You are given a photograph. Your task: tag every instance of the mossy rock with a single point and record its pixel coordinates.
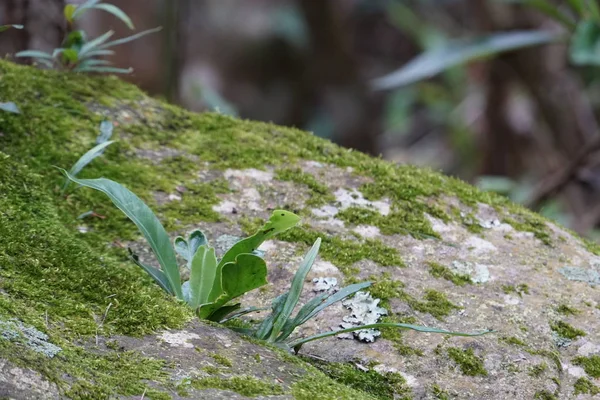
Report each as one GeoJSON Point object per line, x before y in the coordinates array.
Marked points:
{"type": "Point", "coordinates": [81, 321]}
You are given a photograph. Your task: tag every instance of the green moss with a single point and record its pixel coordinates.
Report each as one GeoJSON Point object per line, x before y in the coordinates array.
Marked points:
{"type": "Point", "coordinates": [380, 386]}
{"type": "Point", "coordinates": [567, 310]}
{"type": "Point", "coordinates": [211, 370]}
{"type": "Point", "coordinates": [468, 362]}
{"type": "Point", "coordinates": [532, 223]}
{"type": "Point", "coordinates": [395, 335]}
{"type": "Point", "coordinates": [436, 304]}
{"type": "Point", "coordinates": [224, 361]}
{"type": "Point", "coordinates": [245, 385]}
{"type": "Point", "coordinates": [439, 393]}
{"type": "Point", "coordinates": [320, 193]}
{"type": "Point", "coordinates": [513, 340]}
{"type": "Point", "coordinates": [565, 330]}
{"type": "Point", "coordinates": [520, 289]}
{"type": "Point", "coordinates": [590, 364]}
{"type": "Point", "coordinates": [585, 386]}
{"type": "Point", "coordinates": [537, 370]}
{"type": "Point", "coordinates": [544, 395]}
{"type": "Point", "coordinates": [441, 271]}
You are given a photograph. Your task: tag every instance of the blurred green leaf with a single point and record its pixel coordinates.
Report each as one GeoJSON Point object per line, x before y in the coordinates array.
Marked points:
{"type": "Point", "coordinates": [116, 11]}
{"type": "Point", "coordinates": [7, 27]}
{"type": "Point", "coordinates": [68, 12]}
{"type": "Point", "coordinates": [585, 44]}
{"type": "Point", "coordinates": [70, 55]}
{"type": "Point", "coordinates": [10, 107]}
{"type": "Point", "coordinates": [459, 52]}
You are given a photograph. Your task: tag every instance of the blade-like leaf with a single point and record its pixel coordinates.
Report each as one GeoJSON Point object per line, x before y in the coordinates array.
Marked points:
{"type": "Point", "coordinates": [35, 54]}
{"type": "Point", "coordinates": [312, 308]}
{"type": "Point", "coordinates": [239, 313]}
{"type": "Point", "coordinates": [434, 61]}
{"type": "Point", "coordinates": [279, 222]}
{"type": "Point", "coordinates": [202, 276]}
{"type": "Point", "coordinates": [6, 27]}
{"type": "Point", "coordinates": [85, 160]}
{"type": "Point", "coordinates": [96, 53]}
{"type": "Point", "coordinates": [105, 70]}
{"type": "Point", "coordinates": [95, 44]}
{"type": "Point", "coordinates": [224, 311]}
{"type": "Point", "coordinates": [145, 220]}
{"type": "Point", "coordinates": [248, 272]}
{"type": "Point", "coordinates": [106, 131]}
{"type": "Point", "coordinates": [83, 8]}
{"type": "Point", "coordinates": [264, 329]}
{"type": "Point", "coordinates": [129, 38]}
{"type": "Point", "coordinates": [295, 290]}
{"type": "Point", "coordinates": [158, 275]}
{"type": "Point", "coordinates": [116, 11]}
{"type": "Point", "coordinates": [10, 107]}
{"type": "Point", "coordinates": [296, 344]}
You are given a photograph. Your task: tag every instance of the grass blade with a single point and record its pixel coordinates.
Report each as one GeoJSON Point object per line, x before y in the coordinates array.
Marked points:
{"type": "Point", "coordinates": [143, 217]}
{"type": "Point", "coordinates": [106, 130]}
{"type": "Point", "coordinates": [94, 44]}
{"type": "Point", "coordinates": [105, 70]}
{"type": "Point", "coordinates": [6, 27]}
{"type": "Point", "coordinates": [35, 54]}
{"type": "Point", "coordinates": [202, 276]}
{"type": "Point", "coordinates": [116, 11]}
{"type": "Point", "coordinates": [296, 344]}
{"type": "Point", "coordinates": [129, 38]}
{"type": "Point", "coordinates": [264, 329]}
{"type": "Point", "coordinates": [158, 275]}
{"type": "Point", "coordinates": [295, 291]}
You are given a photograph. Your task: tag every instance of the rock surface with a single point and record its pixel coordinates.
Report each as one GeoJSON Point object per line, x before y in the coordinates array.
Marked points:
{"type": "Point", "coordinates": [440, 253]}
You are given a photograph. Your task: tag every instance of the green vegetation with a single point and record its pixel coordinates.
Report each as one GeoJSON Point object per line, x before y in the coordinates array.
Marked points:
{"type": "Point", "coordinates": [537, 370]}
{"type": "Point", "coordinates": [320, 193]}
{"type": "Point", "coordinates": [441, 271]}
{"type": "Point", "coordinates": [567, 310]}
{"type": "Point", "coordinates": [222, 360]}
{"type": "Point", "coordinates": [591, 365]}
{"type": "Point", "coordinates": [519, 289]}
{"type": "Point", "coordinates": [244, 385]}
{"type": "Point", "coordinates": [585, 386]}
{"type": "Point", "coordinates": [514, 341]}
{"type": "Point", "coordinates": [565, 330]}
{"type": "Point", "coordinates": [468, 362]}
{"type": "Point", "coordinates": [544, 395]}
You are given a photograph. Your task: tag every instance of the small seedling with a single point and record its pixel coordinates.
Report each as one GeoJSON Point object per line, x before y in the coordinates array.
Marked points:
{"type": "Point", "coordinates": [80, 54]}
{"type": "Point", "coordinates": [212, 284]}
{"type": "Point", "coordinates": [279, 325]}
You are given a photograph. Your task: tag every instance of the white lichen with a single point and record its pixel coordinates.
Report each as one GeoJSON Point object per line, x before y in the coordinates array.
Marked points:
{"type": "Point", "coordinates": [365, 310]}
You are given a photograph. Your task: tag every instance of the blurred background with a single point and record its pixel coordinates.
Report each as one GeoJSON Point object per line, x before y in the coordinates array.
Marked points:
{"type": "Point", "coordinates": [503, 94]}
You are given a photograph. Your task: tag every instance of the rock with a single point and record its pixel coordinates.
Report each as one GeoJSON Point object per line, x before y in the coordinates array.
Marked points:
{"type": "Point", "coordinates": [421, 237]}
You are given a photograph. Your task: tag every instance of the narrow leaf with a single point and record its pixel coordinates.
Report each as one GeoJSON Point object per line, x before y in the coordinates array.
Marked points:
{"type": "Point", "coordinates": [129, 38]}
{"type": "Point", "coordinates": [434, 61]}
{"type": "Point", "coordinates": [105, 70]}
{"type": "Point", "coordinates": [35, 54]}
{"type": "Point", "coordinates": [296, 344]}
{"type": "Point", "coordinates": [95, 43]}
{"type": "Point", "coordinates": [106, 130]}
{"type": "Point", "coordinates": [239, 313]}
{"type": "Point", "coordinates": [224, 311]}
{"type": "Point", "coordinates": [10, 107]}
{"type": "Point", "coordinates": [116, 11]}
{"type": "Point", "coordinates": [202, 276]}
{"type": "Point", "coordinates": [83, 8]}
{"type": "Point", "coordinates": [145, 220]}
{"type": "Point", "coordinates": [85, 160]}
{"type": "Point", "coordinates": [295, 290]}
{"type": "Point", "coordinates": [264, 329]}
{"type": "Point", "coordinates": [158, 275]}
{"type": "Point", "coordinates": [7, 27]}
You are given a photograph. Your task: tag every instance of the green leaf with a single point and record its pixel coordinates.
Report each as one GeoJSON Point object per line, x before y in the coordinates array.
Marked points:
{"type": "Point", "coordinates": [94, 44]}
{"type": "Point", "coordinates": [83, 8]}
{"type": "Point", "coordinates": [116, 11]}
{"type": "Point", "coordinates": [459, 52]}
{"type": "Point", "coordinates": [296, 344]}
{"type": "Point", "coordinates": [238, 314]}
{"type": "Point", "coordinates": [318, 304]}
{"type": "Point", "coordinates": [106, 131]}
{"type": "Point", "coordinates": [70, 55]}
{"type": "Point", "coordinates": [145, 220]}
{"type": "Point", "coordinates": [35, 54]}
{"type": "Point", "coordinates": [279, 222]}
{"type": "Point", "coordinates": [68, 12]}
{"type": "Point", "coordinates": [7, 27]}
{"type": "Point", "coordinates": [247, 273]}
{"type": "Point", "coordinates": [202, 276]}
{"type": "Point", "coordinates": [129, 38]}
{"type": "Point", "coordinates": [10, 107]}
{"type": "Point", "coordinates": [585, 44]}
{"type": "Point", "coordinates": [295, 290]}
{"type": "Point", "coordinates": [187, 248]}
{"type": "Point", "coordinates": [84, 160]}
{"type": "Point", "coordinates": [265, 328]}
{"type": "Point", "coordinates": [105, 70]}
{"type": "Point", "coordinates": [158, 276]}
{"type": "Point", "coordinates": [75, 40]}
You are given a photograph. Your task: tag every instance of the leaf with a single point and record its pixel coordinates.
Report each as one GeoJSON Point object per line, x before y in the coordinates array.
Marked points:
{"type": "Point", "coordinates": [94, 44]}
{"type": "Point", "coordinates": [279, 222]}
{"type": "Point", "coordinates": [295, 290]}
{"type": "Point", "coordinates": [145, 220]}
{"type": "Point", "coordinates": [202, 276]}
{"type": "Point", "coordinates": [35, 54]}
{"type": "Point", "coordinates": [68, 12]}
{"type": "Point", "coordinates": [237, 314]}
{"type": "Point", "coordinates": [116, 11]}
{"type": "Point", "coordinates": [585, 44]}
{"type": "Point", "coordinates": [7, 27]}
{"type": "Point", "coordinates": [187, 248]}
{"type": "Point", "coordinates": [83, 8]}
{"type": "Point", "coordinates": [106, 130]}
{"type": "Point", "coordinates": [158, 275]}
{"type": "Point", "coordinates": [129, 38]}
{"type": "Point", "coordinates": [318, 304]}
{"type": "Point", "coordinates": [264, 329]}
{"type": "Point", "coordinates": [10, 107]}
{"type": "Point", "coordinates": [105, 70]}
{"type": "Point", "coordinates": [247, 273]}
{"type": "Point", "coordinates": [434, 61]}
{"type": "Point", "coordinates": [221, 314]}
{"type": "Point", "coordinates": [85, 160]}
{"type": "Point", "coordinates": [70, 55]}
{"type": "Point", "coordinates": [296, 344]}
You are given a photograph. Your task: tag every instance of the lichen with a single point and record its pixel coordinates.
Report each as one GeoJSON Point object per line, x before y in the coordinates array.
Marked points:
{"type": "Point", "coordinates": [564, 330]}
{"type": "Point", "coordinates": [468, 362]}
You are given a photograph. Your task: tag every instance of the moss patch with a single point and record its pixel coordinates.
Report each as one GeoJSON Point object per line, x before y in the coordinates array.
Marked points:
{"type": "Point", "coordinates": [567, 310]}
{"type": "Point", "coordinates": [591, 365]}
{"type": "Point", "coordinates": [245, 385]}
{"type": "Point", "coordinates": [520, 289]}
{"type": "Point", "coordinates": [441, 271]}
{"type": "Point", "coordinates": [320, 193]}
{"type": "Point", "coordinates": [222, 360]}
{"type": "Point", "coordinates": [544, 395]}
{"type": "Point", "coordinates": [585, 386]}
{"type": "Point", "coordinates": [468, 362]}
{"type": "Point", "coordinates": [565, 330]}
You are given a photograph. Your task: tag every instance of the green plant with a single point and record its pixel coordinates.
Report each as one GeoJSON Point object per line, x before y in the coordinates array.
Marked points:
{"type": "Point", "coordinates": [80, 54]}
{"type": "Point", "coordinates": [279, 325]}
{"type": "Point", "coordinates": [106, 128]}
{"type": "Point", "coordinates": [10, 106]}
{"type": "Point", "coordinates": [212, 284]}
